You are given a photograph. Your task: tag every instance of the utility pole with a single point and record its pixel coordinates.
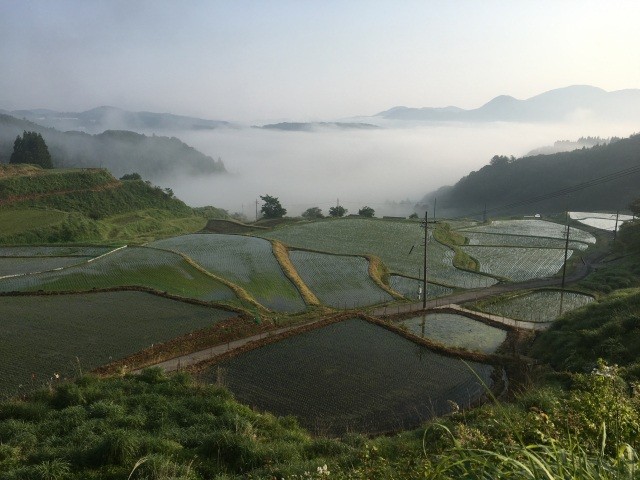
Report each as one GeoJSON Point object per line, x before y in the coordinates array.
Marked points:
{"type": "Point", "coordinates": [256, 209]}
{"type": "Point", "coordinates": [424, 273]}
{"type": "Point", "coordinates": [424, 264]}
{"type": "Point", "coordinates": [615, 229]}
{"type": "Point", "coordinates": [435, 202]}
{"type": "Point", "coordinates": [564, 267]}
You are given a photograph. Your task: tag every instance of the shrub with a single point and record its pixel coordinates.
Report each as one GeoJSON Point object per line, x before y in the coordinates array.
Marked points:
{"type": "Point", "coordinates": [118, 447]}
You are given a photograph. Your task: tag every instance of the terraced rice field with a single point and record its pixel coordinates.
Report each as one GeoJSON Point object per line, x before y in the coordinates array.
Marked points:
{"type": "Point", "coordinates": [517, 263]}
{"type": "Point", "coordinates": [495, 239]}
{"type": "Point", "coordinates": [132, 266]}
{"type": "Point", "coordinates": [459, 224]}
{"type": "Point", "coordinates": [338, 281]}
{"type": "Point", "coordinates": [49, 334]}
{"type": "Point", "coordinates": [245, 261]}
{"type": "Point", "coordinates": [603, 221]}
{"type": "Point", "coordinates": [540, 306]}
{"type": "Point", "coordinates": [532, 228]}
{"type": "Point", "coordinates": [408, 287]}
{"type": "Point", "coordinates": [457, 331]}
{"type": "Point", "coordinates": [21, 265]}
{"type": "Point", "coordinates": [351, 376]}
{"type": "Point", "coordinates": [392, 241]}
{"type": "Point", "coordinates": [21, 260]}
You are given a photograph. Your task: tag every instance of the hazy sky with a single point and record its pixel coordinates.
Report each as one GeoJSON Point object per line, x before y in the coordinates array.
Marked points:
{"type": "Point", "coordinates": [307, 60]}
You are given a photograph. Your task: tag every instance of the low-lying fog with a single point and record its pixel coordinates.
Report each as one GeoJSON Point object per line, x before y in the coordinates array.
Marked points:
{"type": "Point", "coordinates": [378, 168]}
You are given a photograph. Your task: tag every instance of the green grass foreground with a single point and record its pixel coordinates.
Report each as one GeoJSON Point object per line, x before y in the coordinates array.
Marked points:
{"type": "Point", "coordinates": [156, 427]}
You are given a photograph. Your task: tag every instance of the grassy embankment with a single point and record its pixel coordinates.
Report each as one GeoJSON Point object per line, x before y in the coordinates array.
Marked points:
{"type": "Point", "coordinates": [86, 205]}
{"type": "Point", "coordinates": [443, 234]}
{"type": "Point", "coordinates": [281, 253]}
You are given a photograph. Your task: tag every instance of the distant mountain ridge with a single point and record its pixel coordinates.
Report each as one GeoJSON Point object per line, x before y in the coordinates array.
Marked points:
{"type": "Point", "coordinates": [311, 126]}
{"type": "Point", "coordinates": [558, 105]}
{"type": "Point", "coordinates": [506, 186]}
{"type": "Point", "coordinates": [561, 104]}
{"type": "Point", "coordinates": [104, 118]}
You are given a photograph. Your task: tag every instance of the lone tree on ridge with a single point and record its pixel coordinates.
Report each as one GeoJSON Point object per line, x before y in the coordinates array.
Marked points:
{"type": "Point", "coordinates": [271, 208]}
{"type": "Point", "coordinates": [338, 211]}
{"type": "Point", "coordinates": [366, 212]}
{"type": "Point", "coordinates": [31, 148]}
{"type": "Point", "coordinates": [312, 213]}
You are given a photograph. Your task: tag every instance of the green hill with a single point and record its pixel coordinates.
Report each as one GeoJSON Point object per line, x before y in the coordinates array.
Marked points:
{"type": "Point", "coordinates": [515, 181]}
{"type": "Point", "coordinates": [120, 151]}
{"type": "Point", "coordinates": [65, 205]}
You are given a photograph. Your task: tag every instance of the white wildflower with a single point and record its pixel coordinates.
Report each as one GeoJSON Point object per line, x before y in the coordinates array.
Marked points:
{"type": "Point", "coordinates": [323, 470]}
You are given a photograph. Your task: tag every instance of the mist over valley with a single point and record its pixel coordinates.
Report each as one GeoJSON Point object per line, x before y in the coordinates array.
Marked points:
{"type": "Point", "coordinates": [379, 168]}
{"type": "Point", "coordinates": [388, 161]}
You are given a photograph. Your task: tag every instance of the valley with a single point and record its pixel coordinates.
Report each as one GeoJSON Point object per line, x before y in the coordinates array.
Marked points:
{"type": "Point", "coordinates": [320, 322]}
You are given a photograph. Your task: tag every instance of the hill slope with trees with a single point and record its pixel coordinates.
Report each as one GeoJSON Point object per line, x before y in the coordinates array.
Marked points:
{"type": "Point", "coordinates": [513, 182]}
{"type": "Point", "coordinates": [122, 152]}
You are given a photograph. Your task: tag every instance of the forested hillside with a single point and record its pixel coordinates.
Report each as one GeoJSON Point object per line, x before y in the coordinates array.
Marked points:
{"type": "Point", "coordinates": [119, 151]}
{"type": "Point", "coordinates": [511, 183]}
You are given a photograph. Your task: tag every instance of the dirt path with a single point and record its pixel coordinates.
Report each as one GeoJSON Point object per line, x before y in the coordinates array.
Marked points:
{"type": "Point", "coordinates": [183, 361]}
{"type": "Point", "coordinates": [523, 324]}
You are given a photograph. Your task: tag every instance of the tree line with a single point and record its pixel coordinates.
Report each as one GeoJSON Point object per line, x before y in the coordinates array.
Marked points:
{"type": "Point", "coordinates": [272, 208]}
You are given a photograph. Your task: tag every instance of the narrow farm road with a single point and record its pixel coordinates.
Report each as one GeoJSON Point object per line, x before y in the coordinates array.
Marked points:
{"type": "Point", "coordinates": [523, 324]}
{"type": "Point", "coordinates": [184, 361]}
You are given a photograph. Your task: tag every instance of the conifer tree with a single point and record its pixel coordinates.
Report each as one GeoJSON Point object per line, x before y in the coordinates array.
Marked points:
{"type": "Point", "coordinates": [31, 148]}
